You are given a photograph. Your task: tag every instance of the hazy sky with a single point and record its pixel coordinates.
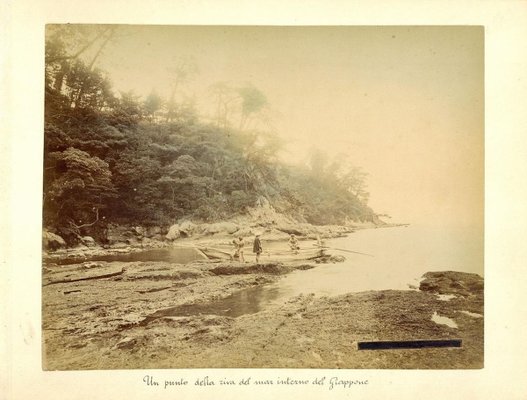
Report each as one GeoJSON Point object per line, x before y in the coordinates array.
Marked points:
{"type": "Point", "coordinates": [404, 103]}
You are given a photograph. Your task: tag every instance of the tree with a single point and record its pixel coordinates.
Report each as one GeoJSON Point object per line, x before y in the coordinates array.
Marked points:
{"type": "Point", "coordinates": [152, 104]}
{"type": "Point", "coordinates": [318, 162]}
{"type": "Point", "coordinates": [181, 72]}
{"type": "Point", "coordinates": [252, 101]}
{"type": "Point", "coordinates": [226, 100]}
{"type": "Point", "coordinates": [354, 181]}
{"type": "Point", "coordinates": [77, 187]}
{"type": "Point", "coordinates": [65, 44]}
{"type": "Point", "coordinates": [107, 158]}
{"type": "Point", "coordinates": [128, 110]}
{"type": "Point", "coordinates": [88, 88]}
{"type": "Point", "coordinates": [78, 39]}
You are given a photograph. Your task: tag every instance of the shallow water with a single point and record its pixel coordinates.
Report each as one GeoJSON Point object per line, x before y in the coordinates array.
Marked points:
{"type": "Point", "coordinates": [441, 320]}
{"type": "Point", "coordinates": [400, 257]}
{"type": "Point", "coordinates": [247, 301]}
{"type": "Point", "coordinates": [180, 255]}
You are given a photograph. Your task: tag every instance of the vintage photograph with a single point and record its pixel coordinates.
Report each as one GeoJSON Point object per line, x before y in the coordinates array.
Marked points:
{"type": "Point", "coordinates": [263, 197]}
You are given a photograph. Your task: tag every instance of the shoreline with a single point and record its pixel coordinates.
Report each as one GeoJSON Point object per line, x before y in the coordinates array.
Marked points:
{"type": "Point", "coordinates": [82, 253]}
{"type": "Point", "coordinates": [107, 323]}
{"type": "Point", "coordinates": [156, 314]}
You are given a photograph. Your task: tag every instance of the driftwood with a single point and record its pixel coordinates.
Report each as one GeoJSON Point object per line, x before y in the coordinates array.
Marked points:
{"type": "Point", "coordinates": [71, 291]}
{"type": "Point", "coordinates": [88, 278]}
{"type": "Point", "coordinates": [154, 290]}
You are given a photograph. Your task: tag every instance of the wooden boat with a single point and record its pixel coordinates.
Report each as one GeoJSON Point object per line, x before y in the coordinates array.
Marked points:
{"type": "Point", "coordinates": [276, 255]}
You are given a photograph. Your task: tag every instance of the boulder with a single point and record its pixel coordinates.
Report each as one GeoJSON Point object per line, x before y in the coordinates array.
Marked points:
{"type": "Point", "coordinates": [158, 237]}
{"type": "Point", "coordinates": [244, 232]}
{"type": "Point", "coordinates": [118, 233]}
{"type": "Point", "coordinates": [127, 343]}
{"type": "Point", "coordinates": [173, 232]}
{"type": "Point", "coordinates": [88, 241]}
{"type": "Point", "coordinates": [186, 228]}
{"type": "Point", "coordinates": [452, 282]}
{"type": "Point", "coordinates": [221, 227]}
{"type": "Point", "coordinates": [290, 229]}
{"type": "Point", "coordinates": [152, 231]}
{"type": "Point", "coordinates": [52, 241]}
{"type": "Point", "coordinates": [229, 227]}
{"type": "Point", "coordinates": [139, 230]}
{"type": "Point", "coordinates": [145, 241]}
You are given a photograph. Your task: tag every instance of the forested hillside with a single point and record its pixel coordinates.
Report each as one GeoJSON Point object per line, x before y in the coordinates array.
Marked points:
{"type": "Point", "coordinates": [118, 158]}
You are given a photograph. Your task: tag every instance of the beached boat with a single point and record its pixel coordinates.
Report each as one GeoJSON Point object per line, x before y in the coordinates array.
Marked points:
{"type": "Point", "coordinates": [276, 255]}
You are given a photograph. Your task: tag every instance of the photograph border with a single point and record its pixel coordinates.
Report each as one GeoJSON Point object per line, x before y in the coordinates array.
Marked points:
{"type": "Point", "coordinates": [505, 78]}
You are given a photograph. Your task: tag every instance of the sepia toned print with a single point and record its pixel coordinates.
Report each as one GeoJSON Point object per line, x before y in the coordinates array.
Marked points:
{"type": "Point", "coordinates": [263, 197]}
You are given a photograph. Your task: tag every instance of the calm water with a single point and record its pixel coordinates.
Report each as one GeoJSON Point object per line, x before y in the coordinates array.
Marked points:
{"type": "Point", "coordinates": [247, 301]}
{"type": "Point", "coordinates": [180, 255]}
{"type": "Point", "coordinates": [400, 257]}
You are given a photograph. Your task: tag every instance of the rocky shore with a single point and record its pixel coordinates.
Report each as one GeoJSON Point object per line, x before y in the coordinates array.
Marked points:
{"type": "Point", "coordinates": [264, 220]}
{"type": "Point", "coordinates": [203, 314]}
{"type": "Point", "coordinates": [114, 315]}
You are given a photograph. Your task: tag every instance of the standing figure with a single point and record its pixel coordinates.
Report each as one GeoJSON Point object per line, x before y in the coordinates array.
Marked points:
{"type": "Point", "coordinates": [235, 244]}
{"type": "Point", "coordinates": [257, 247]}
{"type": "Point", "coordinates": [293, 243]}
{"type": "Point", "coordinates": [239, 248]}
{"type": "Point", "coordinates": [320, 244]}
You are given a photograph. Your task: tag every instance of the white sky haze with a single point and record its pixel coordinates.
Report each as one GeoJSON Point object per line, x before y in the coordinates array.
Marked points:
{"type": "Point", "coordinates": [403, 103]}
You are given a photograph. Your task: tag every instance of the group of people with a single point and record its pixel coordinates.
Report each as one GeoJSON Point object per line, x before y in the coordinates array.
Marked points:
{"type": "Point", "coordinates": [239, 245]}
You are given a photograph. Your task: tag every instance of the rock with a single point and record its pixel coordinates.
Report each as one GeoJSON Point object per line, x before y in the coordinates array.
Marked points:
{"type": "Point", "coordinates": [290, 229]}
{"type": "Point", "coordinates": [452, 282]}
{"type": "Point", "coordinates": [52, 241]}
{"type": "Point", "coordinates": [220, 227]}
{"type": "Point", "coordinates": [91, 264]}
{"type": "Point", "coordinates": [134, 241]}
{"type": "Point", "coordinates": [210, 229]}
{"type": "Point", "coordinates": [268, 268]}
{"type": "Point", "coordinates": [152, 231]}
{"type": "Point", "coordinates": [139, 230]}
{"type": "Point", "coordinates": [229, 227]}
{"type": "Point", "coordinates": [88, 241]}
{"type": "Point", "coordinates": [244, 232]}
{"type": "Point", "coordinates": [186, 228]}
{"type": "Point", "coordinates": [173, 232]}
{"type": "Point", "coordinates": [263, 202]}
{"type": "Point", "coordinates": [122, 249]}
{"type": "Point", "coordinates": [126, 343]}
{"type": "Point", "coordinates": [118, 233]}
{"type": "Point", "coordinates": [337, 258]}
{"type": "Point", "coordinates": [147, 242]}
{"type": "Point", "coordinates": [159, 241]}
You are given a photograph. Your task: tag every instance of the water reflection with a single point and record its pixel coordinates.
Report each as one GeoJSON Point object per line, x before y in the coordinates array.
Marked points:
{"type": "Point", "coordinates": [179, 255]}
{"type": "Point", "coordinates": [247, 301]}
{"type": "Point", "coordinates": [401, 257]}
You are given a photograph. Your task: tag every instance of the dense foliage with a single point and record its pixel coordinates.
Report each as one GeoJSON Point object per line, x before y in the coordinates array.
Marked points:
{"type": "Point", "coordinates": [122, 159]}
